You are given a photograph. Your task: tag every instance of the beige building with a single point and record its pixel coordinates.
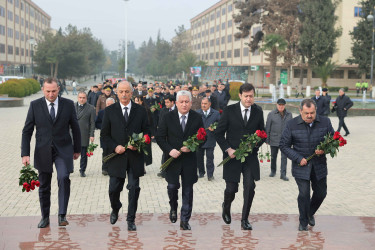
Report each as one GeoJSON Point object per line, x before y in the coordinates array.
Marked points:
{"type": "Point", "coordinates": [21, 25]}
{"type": "Point", "coordinates": [213, 41]}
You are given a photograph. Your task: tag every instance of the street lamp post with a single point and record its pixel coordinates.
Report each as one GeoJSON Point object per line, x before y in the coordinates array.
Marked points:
{"type": "Point", "coordinates": [371, 18]}
{"type": "Point", "coordinates": [32, 43]}
{"type": "Point", "coordinates": [126, 38]}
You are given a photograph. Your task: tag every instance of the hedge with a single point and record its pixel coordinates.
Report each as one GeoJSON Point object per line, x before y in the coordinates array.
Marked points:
{"type": "Point", "coordinates": [234, 90]}
{"type": "Point", "coordinates": [19, 87]}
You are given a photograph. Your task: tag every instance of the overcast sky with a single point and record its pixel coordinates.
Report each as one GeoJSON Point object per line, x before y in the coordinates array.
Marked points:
{"type": "Point", "coordinates": [106, 19]}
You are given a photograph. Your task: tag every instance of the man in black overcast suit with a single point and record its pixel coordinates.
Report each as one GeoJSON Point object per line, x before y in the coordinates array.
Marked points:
{"type": "Point", "coordinates": [242, 118]}
{"type": "Point", "coordinates": [53, 117]}
{"type": "Point", "coordinates": [175, 128]}
{"type": "Point", "coordinates": [120, 121]}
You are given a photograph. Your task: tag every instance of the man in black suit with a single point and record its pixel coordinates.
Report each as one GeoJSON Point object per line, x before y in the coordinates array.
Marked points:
{"type": "Point", "coordinates": [120, 121]}
{"type": "Point", "coordinates": [169, 101]}
{"type": "Point", "coordinates": [213, 100]}
{"type": "Point", "coordinates": [242, 118]}
{"type": "Point", "coordinates": [53, 117]}
{"type": "Point", "coordinates": [175, 128]}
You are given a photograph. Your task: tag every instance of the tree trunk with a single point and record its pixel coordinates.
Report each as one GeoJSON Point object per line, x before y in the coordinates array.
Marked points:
{"type": "Point", "coordinates": [51, 68]}
{"type": "Point", "coordinates": [56, 68]}
{"type": "Point", "coordinates": [299, 89]}
{"type": "Point", "coordinates": [273, 57]}
{"type": "Point", "coordinates": [309, 76]}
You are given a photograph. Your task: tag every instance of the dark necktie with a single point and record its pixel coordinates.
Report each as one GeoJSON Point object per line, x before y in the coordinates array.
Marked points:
{"type": "Point", "coordinates": [52, 111]}
{"type": "Point", "coordinates": [126, 117]}
{"type": "Point", "coordinates": [170, 110]}
{"type": "Point", "coordinates": [183, 123]}
{"type": "Point", "coordinates": [80, 108]}
{"type": "Point", "coordinates": [245, 117]}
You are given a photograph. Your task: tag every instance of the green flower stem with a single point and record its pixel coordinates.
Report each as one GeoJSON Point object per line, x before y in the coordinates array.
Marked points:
{"type": "Point", "coordinates": [167, 162]}
{"type": "Point", "coordinates": [108, 157]}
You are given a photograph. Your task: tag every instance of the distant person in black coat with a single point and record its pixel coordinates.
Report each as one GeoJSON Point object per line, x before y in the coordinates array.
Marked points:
{"type": "Point", "coordinates": [120, 121]}
{"type": "Point", "coordinates": [320, 102]}
{"type": "Point", "coordinates": [341, 106]}
{"type": "Point", "coordinates": [98, 125]}
{"type": "Point", "coordinates": [327, 99]}
{"type": "Point", "coordinates": [213, 100]}
{"type": "Point", "coordinates": [237, 120]}
{"type": "Point", "coordinates": [55, 121]}
{"type": "Point", "coordinates": [175, 128]}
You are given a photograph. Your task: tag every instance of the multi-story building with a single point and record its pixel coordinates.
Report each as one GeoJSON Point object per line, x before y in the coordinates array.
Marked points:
{"type": "Point", "coordinates": [213, 41]}
{"type": "Point", "coordinates": [21, 25]}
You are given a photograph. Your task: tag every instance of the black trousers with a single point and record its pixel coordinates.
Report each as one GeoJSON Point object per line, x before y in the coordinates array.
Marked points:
{"type": "Point", "coordinates": [248, 190]}
{"type": "Point", "coordinates": [63, 182]}
{"type": "Point", "coordinates": [306, 206]}
{"type": "Point", "coordinates": [187, 199]}
{"type": "Point", "coordinates": [209, 161]}
{"type": "Point", "coordinates": [274, 153]}
{"type": "Point", "coordinates": [342, 124]}
{"type": "Point", "coordinates": [116, 185]}
{"type": "Point", "coordinates": [83, 161]}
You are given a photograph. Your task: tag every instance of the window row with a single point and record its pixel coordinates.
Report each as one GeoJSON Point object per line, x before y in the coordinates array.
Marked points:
{"type": "Point", "coordinates": [213, 15]}
{"type": "Point", "coordinates": [17, 35]}
{"type": "Point", "coordinates": [11, 50]}
{"type": "Point", "coordinates": [37, 15]}
{"type": "Point", "coordinates": [228, 54]}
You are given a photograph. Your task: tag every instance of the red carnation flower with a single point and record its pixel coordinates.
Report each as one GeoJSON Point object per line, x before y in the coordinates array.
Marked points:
{"type": "Point", "coordinates": [268, 160]}
{"type": "Point", "coordinates": [264, 135]}
{"type": "Point", "coordinates": [32, 187]}
{"type": "Point", "coordinates": [37, 183]}
{"type": "Point", "coordinates": [220, 111]}
{"type": "Point", "coordinates": [88, 154]}
{"type": "Point", "coordinates": [201, 135]}
{"type": "Point", "coordinates": [160, 105]}
{"type": "Point", "coordinates": [91, 153]}
{"type": "Point", "coordinates": [147, 139]}
{"type": "Point", "coordinates": [336, 136]}
{"type": "Point", "coordinates": [28, 189]}
{"type": "Point", "coordinates": [261, 161]}
{"type": "Point", "coordinates": [25, 185]}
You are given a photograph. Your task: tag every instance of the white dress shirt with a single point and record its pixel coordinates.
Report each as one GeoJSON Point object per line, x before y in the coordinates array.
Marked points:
{"type": "Point", "coordinates": [129, 106]}
{"type": "Point", "coordinates": [186, 117]}
{"type": "Point", "coordinates": [56, 105]}
{"type": "Point", "coordinates": [243, 112]}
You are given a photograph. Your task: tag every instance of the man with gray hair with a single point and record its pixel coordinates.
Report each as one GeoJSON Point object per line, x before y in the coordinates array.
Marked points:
{"type": "Point", "coordinates": [299, 140]}
{"type": "Point", "coordinates": [175, 128]}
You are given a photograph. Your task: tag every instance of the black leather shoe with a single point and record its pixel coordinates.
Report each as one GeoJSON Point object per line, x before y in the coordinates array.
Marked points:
{"type": "Point", "coordinates": [284, 178]}
{"type": "Point", "coordinates": [131, 226]}
{"type": "Point", "coordinates": [346, 134]}
{"type": "Point", "coordinates": [83, 174]}
{"type": "Point", "coordinates": [173, 216]}
{"type": "Point", "coordinates": [62, 220]}
{"type": "Point", "coordinates": [105, 173]}
{"type": "Point", "coordinates": [184, 225]}
{"type": "Point", "coordinates": [201, 175]}
{"type": "Point", "coordinates": [245, 225]}
{"type": "Point", "coordinates": [114, 216]}
{"type": "Point", "coordinates": [302, 228]}
{"type": "Point", "coordinates": [161, 174]}
{"type": "Point", "coordinates": [272, 174]}
{"type": "Point", "coordinates": [44, 222]}
{"type": "Point", "coordinates": [226, 215]}
{"type": "Point", "coordinates": [311, 220]}
{"type": "Point", "coordinates": [211, 178]}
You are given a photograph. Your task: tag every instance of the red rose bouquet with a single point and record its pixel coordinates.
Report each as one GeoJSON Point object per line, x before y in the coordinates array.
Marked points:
{"type": "Point", "coordinates": [138, 141]}
{"type": "Point", "coordinates": [28, 178]}
{"type": "Point", "coordinates": [90, 149]}
{"type": "Point", "coordinates": [246, 146]}
{"type": "Point", "coordinates": [330, 145]}
{"type": "Point", "coordinates": [192, 143]}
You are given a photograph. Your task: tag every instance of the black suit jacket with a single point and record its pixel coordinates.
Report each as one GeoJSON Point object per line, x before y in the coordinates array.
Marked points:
{"type": "Point", "coordinates": [51, 133]}
{"type": "Point", "coordinates": [229, 133]}
{"type": "Point", "coordinates": [116, 132]}
{"type": "Point", "coordinates": [170, 136]}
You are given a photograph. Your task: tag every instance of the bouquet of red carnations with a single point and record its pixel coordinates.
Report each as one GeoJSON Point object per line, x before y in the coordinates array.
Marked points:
{"type": "Point", "coordinates": [156, 106]}
{"type": "Point", "coordinates": [330, 145]}
{"type": "Point", "coordinates": [192, 143]}
{"type": "Point", "coordinates": [90, 149]}
{"type": "Point", "coordinates": [246, 146]}
{"type": "Point", "coordinates": [28, 178]}
{"type": "Point", "coordinates": [138, 141]}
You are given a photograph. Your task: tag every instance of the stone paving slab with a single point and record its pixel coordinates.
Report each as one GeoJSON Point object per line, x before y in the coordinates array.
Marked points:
{"type": "Point", "coordinates": [351, 181]}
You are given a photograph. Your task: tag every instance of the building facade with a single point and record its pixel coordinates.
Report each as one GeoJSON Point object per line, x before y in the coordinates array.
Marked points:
{"type": "Point", "coordinates": [213, 41]}
{"type": "Point", "coordinates": [22, 23]}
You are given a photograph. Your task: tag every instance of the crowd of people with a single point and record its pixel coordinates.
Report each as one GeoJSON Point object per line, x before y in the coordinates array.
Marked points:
{"type": "Point", "coordinates": [170, 113]}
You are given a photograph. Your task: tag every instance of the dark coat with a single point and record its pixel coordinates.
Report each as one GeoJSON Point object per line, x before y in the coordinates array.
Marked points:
{"type": "Point", "coordinates": [214, 102]}
{"type": "Point", "coordinates": [327, 107]}
{"type": "Point", "coordinates": [92, 98]}
{"type": "Point", "coordinates": [213, 116]}
{"type": "Point", "coordinates": [342, 105]}
{"type": "Point", "coordinates": [98, 125]}
{"type": "Point", "coordinates": [170, 136]}
{"type": "Point", "coordinates": [299, 141]}
{"type": "Point", "coordinates": [222, 98]}
{"type": "Point", "coordinates": [320, 105]}
{"type": "Point", "coordinates": [229, 134]}
{"type": "Point", "coordinates": [275, 125]}
{"type": "Point", "coordinates": [51, 133]}
{"type": "Point", "coordinates": [115, 132]}
{"type": "Point", "coordinates": [86, 121]}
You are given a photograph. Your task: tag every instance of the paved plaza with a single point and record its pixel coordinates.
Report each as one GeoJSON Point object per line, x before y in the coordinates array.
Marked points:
{"type": "Point", "coordinates": [351, 181]}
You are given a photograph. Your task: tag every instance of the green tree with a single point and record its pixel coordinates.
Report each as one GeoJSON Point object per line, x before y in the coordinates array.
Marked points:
{"type": "Point", "coordinates": [272, 47]}
{"type": "Point", "coordinates": [362, 39]}
{"type": "Point", "coordinates": [185, 61]}
{"type": "Point", "coordinates": [324, 71]}
{"type": "Point", "coordinates": [318, 32]}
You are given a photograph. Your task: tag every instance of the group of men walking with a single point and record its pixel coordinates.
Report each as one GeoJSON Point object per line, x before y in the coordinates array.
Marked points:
{"type": "Point", "coordinates": [126, 111]}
